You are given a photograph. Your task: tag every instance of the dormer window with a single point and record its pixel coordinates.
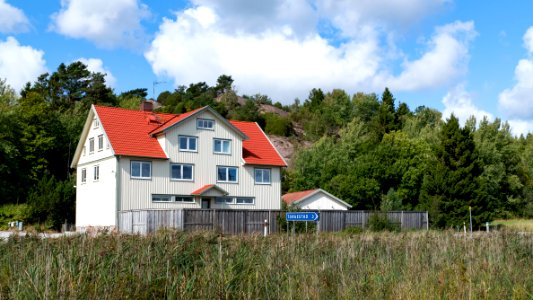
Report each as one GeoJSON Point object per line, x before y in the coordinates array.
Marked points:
{"type": "Point", "coordinates": [205, 124]}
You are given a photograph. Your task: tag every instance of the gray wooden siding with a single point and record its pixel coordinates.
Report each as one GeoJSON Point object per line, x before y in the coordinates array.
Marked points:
{"type": "Point", "coordinates": [233, 221]}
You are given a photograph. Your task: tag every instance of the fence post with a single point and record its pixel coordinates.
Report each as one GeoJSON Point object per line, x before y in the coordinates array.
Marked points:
{"type": "Point", "coordinates": [427, 221]}
{"type": "Point", "coordinates": [401, 221]}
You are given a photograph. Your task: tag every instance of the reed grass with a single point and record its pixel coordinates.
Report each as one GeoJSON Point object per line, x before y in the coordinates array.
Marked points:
{"type": "Point", "coordinates": [176, 265]}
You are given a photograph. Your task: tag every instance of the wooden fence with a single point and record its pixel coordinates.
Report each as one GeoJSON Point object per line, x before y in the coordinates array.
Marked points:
{"type": "Point", "coordinates": [253, 221]}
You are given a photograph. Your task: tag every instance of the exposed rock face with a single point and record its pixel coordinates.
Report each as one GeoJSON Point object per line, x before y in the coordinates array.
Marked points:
{"type": "Point", "coordinates": [284, 146]}
{"type": "Point", "coordinates": [265, 108]}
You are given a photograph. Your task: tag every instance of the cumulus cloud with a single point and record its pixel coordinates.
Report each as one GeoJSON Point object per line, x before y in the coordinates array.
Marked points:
{"type": "Point", "coordinates": [459, 102]}
{"type": "Point", "coordinates": [516, 102]}
{"type": "Point", "coordinates": [354, 17]}
{"type": "Point", "coordinates": [106, 23]}
{"type": "Point", "coordinates": [20, 64]}
{"type": "Point", "coordinates": [288, 57]}
{"type": "Point", "coordinates": [445, 60]}
{"type": "Point", "coordinates": [12, 19]}
{"type": "Point", "coordinates": [96, 65]}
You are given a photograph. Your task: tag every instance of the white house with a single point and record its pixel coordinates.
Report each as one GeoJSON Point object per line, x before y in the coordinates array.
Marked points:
{"type": "Point", "coordinates": [316, 199]}
{"type": "Point", "coordinates": [138, 159]}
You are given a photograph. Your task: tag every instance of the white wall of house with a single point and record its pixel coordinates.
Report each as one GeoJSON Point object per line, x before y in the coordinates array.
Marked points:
{"type": "Point", "coordinates": [96, 198]}
{"type": "Point", "coordinates": [138, 192]}
{"type": "Point", "coordinates": [321, 201]}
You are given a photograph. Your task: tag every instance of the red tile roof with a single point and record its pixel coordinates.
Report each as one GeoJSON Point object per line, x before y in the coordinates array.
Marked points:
{"type": "Point", "coordinates": [206, 188]}
{"type": "Point", "coordinates": [132, 133]}
{"type": "Point", "coordinates": [175, 120]}
{"type": "Point", "coordinates": [258, 150]}
{"type": "Point", "coordinates": [128, 131]}
{"type": "Point", "coordinates": [296, 196]}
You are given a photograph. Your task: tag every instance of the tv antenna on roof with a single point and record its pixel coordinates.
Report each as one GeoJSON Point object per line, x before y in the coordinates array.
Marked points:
{"type": "Point", "coordinates": [153, 87]}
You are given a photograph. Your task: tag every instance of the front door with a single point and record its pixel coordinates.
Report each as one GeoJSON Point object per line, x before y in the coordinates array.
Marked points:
{"type": "Point", "coordinates": [206, 203]}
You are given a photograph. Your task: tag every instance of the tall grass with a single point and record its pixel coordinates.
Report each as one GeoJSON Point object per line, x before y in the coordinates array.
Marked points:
{"type": "Point", "coordinates": [174, 265]}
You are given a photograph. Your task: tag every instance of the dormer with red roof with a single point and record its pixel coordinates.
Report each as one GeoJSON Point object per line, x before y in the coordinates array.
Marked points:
{"type": "Point", "coordinates": [142, 160]}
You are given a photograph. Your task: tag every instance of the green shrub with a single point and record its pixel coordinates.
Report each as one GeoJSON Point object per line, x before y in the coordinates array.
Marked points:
{"type": "Point", "coordinates": [277, 125]}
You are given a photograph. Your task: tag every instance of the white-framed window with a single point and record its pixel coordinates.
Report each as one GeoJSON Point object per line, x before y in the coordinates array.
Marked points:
{"type": "Point", "coordinates": [161, 198]}
{"type": "Point", "coordinates": [221, 146]}
{"type": "Point", "coordinates": [96, 173]}
{"type": "Point", "coordinates": [235, 200]}
{"type": "Point", "coordinates": [100, 142]}
{"type": "Point", "coordinates": [172, 198]}
{"type": "Point", "coordinates": [227, 174]}
{"type": "Point", "coordinates": [224, 200]}
{"type": "Point", "coordinates": [96, 123]}
{"type": "Point", "coordinates": [205, 124]}
{"type": "Point", "coordinates": [83, 175]}
{"type": "Point", "coordinates": [185, 199]}
{"type": "Point", "coordinates": [181, 172]}
{"type": "Point", "coordinates": [91, 145]}
{"type": "Point", "coordinates": [245, 200]}
{"type": "Point", "coordinates": [262, 176]}
{"type": "Point", "coordinates": [141, 169]}
{"type": "Point", "coordinates": [188, 143]}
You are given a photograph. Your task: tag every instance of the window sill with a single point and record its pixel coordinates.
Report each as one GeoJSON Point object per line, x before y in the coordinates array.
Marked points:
{"type": "Point", "coordinates": [191, 151]}
{"type": "Point", "coordinates": [141, 178]}
{"type": "Point", "coordinates": [182, 180]}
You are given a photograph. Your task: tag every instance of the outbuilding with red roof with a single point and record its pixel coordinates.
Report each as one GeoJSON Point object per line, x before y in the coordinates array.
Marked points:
{"type": "Point", "coordinates": [315, 199]}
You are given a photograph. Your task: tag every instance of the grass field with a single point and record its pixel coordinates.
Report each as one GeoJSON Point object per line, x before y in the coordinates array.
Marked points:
{"type": "Point", "coordinates": [174, 265]}
{"type": "Point", "coordinates": [515, 224]}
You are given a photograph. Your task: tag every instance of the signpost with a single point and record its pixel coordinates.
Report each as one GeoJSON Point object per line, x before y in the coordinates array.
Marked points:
{"type": "Point", "coordinates": [311, 216]}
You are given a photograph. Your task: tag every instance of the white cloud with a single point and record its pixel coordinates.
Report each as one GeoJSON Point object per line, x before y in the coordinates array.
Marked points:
{"type": "Point", "coordinates": [268, 50]}
{"type": "Point", "coordinates": [96, 65]}
{"type": "Point", "coordinates": [20, 64]}
{"type": "Point", "coordinates": [445, 60]}
{"type": "Point", "coordinates": [528, 39]}
{"type": "Point", "coordinates": [517, 102]}
{"type": "Point", "coordinates": [12, 19]}
{"type": "Point", "coordinates": [352, 17]}
{"type": "Point", "coordinates": [519, 127]}
{"type": "Point", "coordinates": [108, 24]}
{"type": "Point", "coordinates": [459, 102]}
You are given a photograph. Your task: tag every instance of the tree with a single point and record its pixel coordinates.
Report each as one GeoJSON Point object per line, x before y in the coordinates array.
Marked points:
{"type": "Point", "coordinates": [450, 187]}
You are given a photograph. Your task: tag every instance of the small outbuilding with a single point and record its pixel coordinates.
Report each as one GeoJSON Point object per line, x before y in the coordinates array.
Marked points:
{"type": "Point", "coordinates": [317, 199]}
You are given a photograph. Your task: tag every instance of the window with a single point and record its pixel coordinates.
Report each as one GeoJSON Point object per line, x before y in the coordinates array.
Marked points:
{"type": "Point", "coordinates": [141, 169]}
{"type": "Point", "coordinates": [181, 172]}
{"type": "Point", "coordinates": [205, 124]}
{"type": "Point", "coordinates": [161, 198]}
{"type": "Point", "coordinates": [222, 146]}
{"type": "Point", "coordinates": [172, 198]}
{"type": "Point", "coordinates": [227, 174]}
{"type": "Point", "coordinates": [91, 145]}
{"type": "Point", "coordinates": [96, 173]}
{"type": "Point", "coordinates": [187, 143]}
{"type": "Point", "coordinates": [262, 176]}
{"type": "Point", "coordinates": [96, 123]}
{"type": "Point", "coordinates": [224, 200]}
{"type": "Point", "coordinates": [234, 200]}
{"type": "Point", "coordinates": [101, 142]}
{"type": "Point", "coordinates": [83, 175]}
{"type": "Point", "coordinates": [183, 199]}
{"type": "Point", "coordinates": [245, 200]}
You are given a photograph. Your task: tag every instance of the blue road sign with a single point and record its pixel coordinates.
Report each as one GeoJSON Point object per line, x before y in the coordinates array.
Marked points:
{"type": "Point", "coordinates": [302, 216]}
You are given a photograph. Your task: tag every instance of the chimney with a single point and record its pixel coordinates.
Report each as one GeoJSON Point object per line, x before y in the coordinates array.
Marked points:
{"type": "Point", "coordinates": [147, 105]}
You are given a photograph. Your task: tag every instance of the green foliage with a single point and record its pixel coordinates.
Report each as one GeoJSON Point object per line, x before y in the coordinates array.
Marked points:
{"type": "Point", "coordinates": [277, 125]}
{"type": "Point", "coordinates": [52, 202]}
{"type": "Point", "coordinates": [11, 213]}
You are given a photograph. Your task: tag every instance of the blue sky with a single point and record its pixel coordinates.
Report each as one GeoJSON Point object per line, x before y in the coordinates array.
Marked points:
{"type": "Point", "coordinates": [466, 57]}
